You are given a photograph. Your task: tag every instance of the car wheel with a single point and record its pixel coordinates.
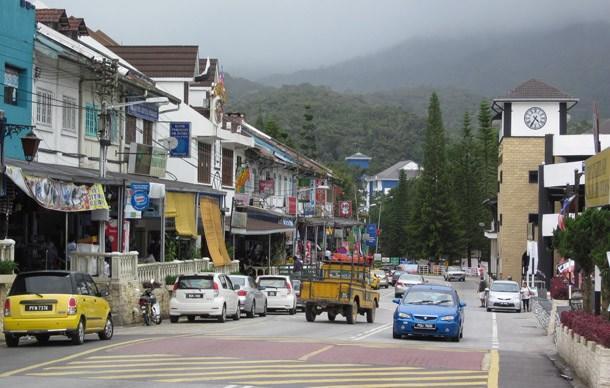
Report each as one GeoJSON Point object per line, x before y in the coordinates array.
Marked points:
{"type": "Point", "coordinates": [250, 314]}
{"type": "Point", "coordinates": [12, 341]}
{"type": "Point", "coordinates": [455, 339]}
{"type": "Point", "coordinates": [264, 313]}
{"type": "Point", "coordinates": [191, 318]}
{"type": "Point", "coordinates": [78, 337]}
{"type": "Point", "coordinates": [310, 313]}
{"type": "Point", "coordinates": [395, 335]}
{"type": "Point", "coordinates": [108, 331]}
{"type": "Point", "coordinates": [223, 315]}
{"type": "Point", "coordinates": [488, 310]}
{"type": "Point", "coordinates": [174, 318]}
{"type": "Point", "coordinates": [42, 339]}
{"type": "Point", "coordinates": [352, 313]}
{"type": "Point", "coordinates": [518, 311]}
{"type": "Point", "coordinates": [370, 315]}
{"type": "Point", "coordinates": [396, 295]}
{"type": "Point", "coordinates": [293, 310]}
{"type": "Point", "coordinates": [237, 315]}
{"type": "Point", "coordinates": [331, 316]}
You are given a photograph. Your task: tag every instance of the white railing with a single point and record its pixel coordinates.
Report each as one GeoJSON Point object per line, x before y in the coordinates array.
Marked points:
{"type": "Point", "coordinates": [119, 265]}
{"type": "Point", "coordinates": [159, 271]}
{"type": "Point", "coordinates": [7, 250]}
{"type": "Point", "coordinates": [228, 269]}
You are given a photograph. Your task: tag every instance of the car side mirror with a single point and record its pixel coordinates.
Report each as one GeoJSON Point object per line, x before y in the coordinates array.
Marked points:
{"type": "Point", "coordinates": [396, 300]}
{"type": "Point", "coordinates": [462, 304]}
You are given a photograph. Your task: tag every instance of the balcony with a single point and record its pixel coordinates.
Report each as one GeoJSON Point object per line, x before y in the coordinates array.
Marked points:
{"type": "Point", "coordinates": [577, 145]}
{"type": "Point", "coordinates": [561, 174]}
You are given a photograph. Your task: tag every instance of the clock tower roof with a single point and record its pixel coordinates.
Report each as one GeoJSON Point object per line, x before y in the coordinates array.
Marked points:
{"type": "Point", "coordinates": [536, 90]}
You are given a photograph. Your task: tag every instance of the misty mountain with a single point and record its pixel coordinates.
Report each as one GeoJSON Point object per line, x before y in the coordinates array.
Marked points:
{"type": "Point", "coordinates": [575, 59]}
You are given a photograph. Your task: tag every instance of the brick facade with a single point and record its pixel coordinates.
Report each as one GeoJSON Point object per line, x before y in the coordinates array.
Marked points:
{"type": "Point", "coordinates": [517, 198]}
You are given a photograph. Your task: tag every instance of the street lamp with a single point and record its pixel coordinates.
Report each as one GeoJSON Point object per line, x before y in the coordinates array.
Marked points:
{"type": "Point", "coordinates": [29, 142]}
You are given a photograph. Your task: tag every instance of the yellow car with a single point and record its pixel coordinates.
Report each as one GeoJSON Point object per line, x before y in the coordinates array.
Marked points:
{"type": "Point", "coordinates": [46, 303]}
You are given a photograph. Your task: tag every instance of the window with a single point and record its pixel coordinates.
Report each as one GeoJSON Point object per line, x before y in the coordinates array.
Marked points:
{"type": "Point", "coordinates": [227, 167]}
{"type": "Point", "coordinates": [69, 114]}
{"type": "Point", "coordinates": [11, 85]}
{"type": "Point", "coordinates": [130, 130]}
{"type": "Point", "coordinates": [148, 132]}
{"type": "Point", "coordinates": [533, 176]}
{"type": "Point", "coordinates": [44, 107]}
{"type": "Point", "coordinates": [204, 162]}
{"type": "Point", "coordinates": [90, 120]}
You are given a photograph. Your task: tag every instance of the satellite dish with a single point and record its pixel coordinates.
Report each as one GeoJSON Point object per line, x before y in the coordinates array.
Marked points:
{"type": "Point", "coordinates": [170, 142]}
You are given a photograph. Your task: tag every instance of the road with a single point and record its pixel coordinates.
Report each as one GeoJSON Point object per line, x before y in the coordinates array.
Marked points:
{"type": "Point", "coordinates": [498, 349]}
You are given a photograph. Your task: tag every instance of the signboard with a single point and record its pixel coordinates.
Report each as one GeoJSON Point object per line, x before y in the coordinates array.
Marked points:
{"type": "Point", "coordinates": [182, 133]}
{"type": "Point", "coordinates": [394, 260]}
{"type": "Point", "coordinates": [371, 231]}
{"type": "Point", "coordinates": [292, 205]}
{"type": "Point", "coordinates": [242, 199]}
{"type": "Point", "coordinates": [267, 187]}
{"type": "Point", "coordinates": [65, 196]}
{"type": "Point", "coordinates": [139, 196]}
{"type": "Point", "coordinates": [597, 179]}
{"type": "Point", "coordinates": [149, 112]}
{"type": "Point", "coordinates": [147, 160]}
{"type": "Point", "coordinates": [345, 208]}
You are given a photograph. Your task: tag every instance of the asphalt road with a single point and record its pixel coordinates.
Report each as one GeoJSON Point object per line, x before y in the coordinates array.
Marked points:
{"type": "Point", "coordinates": [498, 349]}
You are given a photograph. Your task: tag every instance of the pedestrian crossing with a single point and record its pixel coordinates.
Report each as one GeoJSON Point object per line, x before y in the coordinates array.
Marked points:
{"type": "Point", "coordinates": [176, 369]}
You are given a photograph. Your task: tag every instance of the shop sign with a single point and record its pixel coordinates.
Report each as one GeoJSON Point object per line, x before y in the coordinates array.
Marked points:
{"type": "Point", "coordinates": [65, 196]}
{"type": "Point", "coordinates": [239, 220]}
{"type": "Point", "coordinates": [267, 187]}
{"type": "Point", "coordinates": [371, 231]}
{"type": "Point", "coordinates": [148, 112]}
{"type": "Point", "coordinates": [394, 260]}
{"type": "Point", "coordinates": [139, 196]}
{"type": "Point", "coordinates": [292, 205]}
{"type": "Point", "coordinates": [181, 132]}
{"type": "Point", "coordinates": [597, 179]}
{"type": "Point", "coordinates": [147, 160]}
{"type": "Point", "coordinates": [242, 199]}
{"type": "Point", "coordinates": [345, 209]}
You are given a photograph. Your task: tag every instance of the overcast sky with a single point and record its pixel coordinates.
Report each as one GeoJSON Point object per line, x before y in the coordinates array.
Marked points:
{"type": "Point", "coordinates": [254, 38]}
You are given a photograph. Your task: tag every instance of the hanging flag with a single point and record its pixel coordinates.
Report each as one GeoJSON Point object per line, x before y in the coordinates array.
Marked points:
{"type": "Point", "coordinates": [563, 213]}
{"type": "Point", "coordinates": [243, 175]}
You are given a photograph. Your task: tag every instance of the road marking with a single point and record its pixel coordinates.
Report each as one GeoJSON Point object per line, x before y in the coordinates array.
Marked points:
{"type": "Point", "coordinates": [328, 377]}
{"type": "Point", "coordinates": [494, 369]}
{"type": "Point", "coordinates": [495, 342]}
{"type": "Point", "coordinates": [194, 363]}
{"type": "Point", "coordinates": [121, 356]}
{"type": "Point", "coordinates": [443, 384]}
{"type": "Point", "coordinates": [142, 358]}
{"type": "Point", "coordinates": [479, 379]}
{"type": "Point", "coordinates": [73, 356]}
{"type": "Point", "coordinates": [315, 353]}
{"type": "Point", "coordinates": [371, 332]}
{"type": "Point", "coordinates": [229, 370]}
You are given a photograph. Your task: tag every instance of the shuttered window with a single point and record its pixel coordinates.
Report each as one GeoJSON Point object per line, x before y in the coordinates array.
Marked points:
{"type": "Point", "coordinates": [204, 162]}
{"type": "Point", "coordinates": [227, 167]}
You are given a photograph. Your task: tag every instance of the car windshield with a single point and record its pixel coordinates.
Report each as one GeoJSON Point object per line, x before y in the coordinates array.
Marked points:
{"type": "Point", "coordinates": [51, 283]}
{"type": "Point", "coordinates": [505, 287]}
{"type": "Point", "coordinates": [238, 280]}
{"type": "Point", "coordinates": [454, 269]}
{"type": "Point", "coordinates": [196, 282]}
{"type": "Point", "coordinates": [272, 282]}
{"type": "Point", "coordinates": [432, 297]}
{"type": "Point", "coordinates": [410, 278]}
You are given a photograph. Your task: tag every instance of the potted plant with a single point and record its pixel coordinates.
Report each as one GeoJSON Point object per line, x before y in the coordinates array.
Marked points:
{"type": "Point", "coordinates": [7, 270]}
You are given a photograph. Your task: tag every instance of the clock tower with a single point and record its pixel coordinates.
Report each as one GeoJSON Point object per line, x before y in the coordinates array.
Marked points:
{"type": "Point", "coordinates": [531, 114]}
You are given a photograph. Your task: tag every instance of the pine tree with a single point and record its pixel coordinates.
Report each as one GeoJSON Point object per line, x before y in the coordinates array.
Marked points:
{"type": "Point", "coordinates": [307, 134]}
{"type": "Point", "coordinates": [488, 151]}
{"type": "Point", "coordinates": [396, 213]}
{"type": "Point", "coordinates": [260, 122]}
{"type": "Point", "coordinates": [435, 219]}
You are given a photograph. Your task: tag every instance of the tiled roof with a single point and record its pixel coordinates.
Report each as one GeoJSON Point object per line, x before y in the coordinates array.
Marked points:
{"type": "Point", "coordinates": [208, 78]}
{"type": "Point", "coordinates": [358, 155]}
{"type": "Point", "coordinates": [393, 172]}
{"type": "Point", "coordinates": [102, 37]}
{"type": "Point", "coordinates": [535, 89]}
{"type": "Point", "coordinates": [161, 61]}
{"type": "Point", "coordinates": [51, 15]}
{"type": "Point", "coordinates": [78, 25]}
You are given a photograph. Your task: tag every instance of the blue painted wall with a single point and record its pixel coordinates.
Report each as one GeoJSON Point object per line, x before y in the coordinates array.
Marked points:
{"type": "Point", "coordinates": [360, 163]}
{"type": "Point", "coordinates": [17, 32]}
{"type": "Point", "coordinates": [389, 184]}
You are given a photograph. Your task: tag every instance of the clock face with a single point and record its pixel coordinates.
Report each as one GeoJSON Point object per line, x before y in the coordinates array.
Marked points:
{"type": "Point", "coordinates": [535, 118]}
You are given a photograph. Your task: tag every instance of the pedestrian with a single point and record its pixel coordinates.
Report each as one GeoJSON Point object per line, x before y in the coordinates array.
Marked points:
{"type": "Point", "coordinates": [482, 290]}
{"type": "Point", "coordinates": [526, 293]}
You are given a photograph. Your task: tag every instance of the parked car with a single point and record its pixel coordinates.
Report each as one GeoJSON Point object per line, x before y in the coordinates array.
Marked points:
{"type": "Point", "coordinates": [455, 273]}
{"type": "Point", "coordinates": [395, 276]}
{"type": "Point", "coordinates": [405, 281]}
{"type": "Point", "coordinates": [280, 292]}
{"type": "Point", "coordinates": [204, 295]}
{"type": "Point", "coordinates": [429, 310]}
{"type": "Point", "coordinates": [46, 303]}
{"type": "Point", "coordinates": [504, 295]}
{"type": "Point", "coordinates": [383, 278]}
{"type": "Point", "coordinates": [251, 300]}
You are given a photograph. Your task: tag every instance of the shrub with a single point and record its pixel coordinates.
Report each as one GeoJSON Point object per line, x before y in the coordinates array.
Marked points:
{"type": "Point", "coordinates": [559, 288]}
{"type": "Point", "coordinates": [7, 267]}
{"type": "Point", "coordinates": [170, 280]}
{"type": "Point", "coordinates": [592, 327]}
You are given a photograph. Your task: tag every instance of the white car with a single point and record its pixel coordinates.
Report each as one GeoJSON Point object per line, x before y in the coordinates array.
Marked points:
{"type": "Point", "coordinates": [280, 292]}
{"type": "Point", "coordinates": [456, 273]}
{"type": "Point", "coordinates": [405, 281]}
{"type": "Point", "coordinates": [504, 295]}
{"type": "Point", "coordinates": [204, 295]}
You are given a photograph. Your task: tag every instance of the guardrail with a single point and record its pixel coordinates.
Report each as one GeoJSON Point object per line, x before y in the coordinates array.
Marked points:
{"type": "Point", "coordinates": [7, 250]}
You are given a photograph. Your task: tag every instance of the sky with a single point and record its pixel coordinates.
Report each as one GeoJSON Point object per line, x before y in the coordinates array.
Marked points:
{"type": "Point", "coordinates": [256, 38]}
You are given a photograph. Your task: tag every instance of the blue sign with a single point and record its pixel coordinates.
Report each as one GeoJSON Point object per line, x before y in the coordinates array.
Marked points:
{"type": "Point", "coordinates": [148, 112]}
{"type": "Point", "coordinates": [182, 133]}
{"type": "Point", "coordinates": [139, 196]}
{"type": "Point", "coordinates": [371, 230]}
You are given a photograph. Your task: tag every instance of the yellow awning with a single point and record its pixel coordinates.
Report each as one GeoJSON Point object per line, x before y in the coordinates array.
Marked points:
{"type": "Point", "coordinates": [213, 231]}
{"type": "Point", "coordinates": [181, 207]}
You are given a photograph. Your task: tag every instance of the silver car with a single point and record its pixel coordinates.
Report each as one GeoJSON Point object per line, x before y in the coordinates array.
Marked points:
{"type": "Point", "coordinates": [455, 273]}
{"type": "Point", "coordinates": [504, 295]}
{"type": "Point", "coordinates": [405, 281]}
{"type": "Point", "coordinates": [251, 300]}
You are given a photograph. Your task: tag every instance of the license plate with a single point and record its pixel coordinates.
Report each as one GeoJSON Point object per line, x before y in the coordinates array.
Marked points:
{"type": "Point", "coordinates": [427, 326]}
{"type": "Point", "coordinates": [272, 293]}
{"type": "Point", "coordinates": [194, 296]}
{"type": "Point", "coordinates": [38, 307]}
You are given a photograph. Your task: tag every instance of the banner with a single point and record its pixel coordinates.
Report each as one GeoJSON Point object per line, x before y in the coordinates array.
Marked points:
{"type": "Point", "coordinates": [243, 175]}
{"type": "Point", "coordinates": [345, 209]}
{"type": "Point", "coordinates": [181, 132]}
{"type": "Point", "coordinates": [267, 187]}
{"type": "Point", "coordinates": [139, 196]}
{"type": "Point", "coordinates": [65, 196]}
{"type": "Point", "coordinates": [371, 230]}
{"type": "Point", "coordinates": [292, 205]}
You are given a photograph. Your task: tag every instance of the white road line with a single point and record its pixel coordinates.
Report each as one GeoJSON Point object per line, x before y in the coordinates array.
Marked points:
{"type": "Point", "coordinates": [495, 342]}
{"type": "Point", "coordinates": [371, 332]}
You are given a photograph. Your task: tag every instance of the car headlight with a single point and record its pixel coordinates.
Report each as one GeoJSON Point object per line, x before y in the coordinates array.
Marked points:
{"type": "Point", "coordinates": [405, 315]}
{"type": "Point", "coordinates": [447, 318]}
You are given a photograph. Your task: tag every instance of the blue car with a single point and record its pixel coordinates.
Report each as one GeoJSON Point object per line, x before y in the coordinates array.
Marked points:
{"type": "Point", "coordinates": [429, 310]}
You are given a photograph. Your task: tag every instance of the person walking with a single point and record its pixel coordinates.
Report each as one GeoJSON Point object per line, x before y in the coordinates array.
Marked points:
{"type": "Point", "coordinates": [482, 293]}
{"type": "Point", "coordinates": [526, 293]}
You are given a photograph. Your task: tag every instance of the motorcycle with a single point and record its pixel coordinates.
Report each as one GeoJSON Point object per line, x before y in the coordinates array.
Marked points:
{"type": "Point", "coordinates": [149, 306]}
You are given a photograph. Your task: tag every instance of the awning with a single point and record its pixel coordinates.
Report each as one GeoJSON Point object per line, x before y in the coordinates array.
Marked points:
{"type": "Point", "coordinates": [181, 207]}
{"type": "Point", "coordinates": [255, 227]}
{"type": "Point", "coordinates": [212, 229]}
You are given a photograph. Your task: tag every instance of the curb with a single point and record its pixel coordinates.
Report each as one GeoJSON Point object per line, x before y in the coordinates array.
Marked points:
{"type": "Point", "coordinates": [565, 371]}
